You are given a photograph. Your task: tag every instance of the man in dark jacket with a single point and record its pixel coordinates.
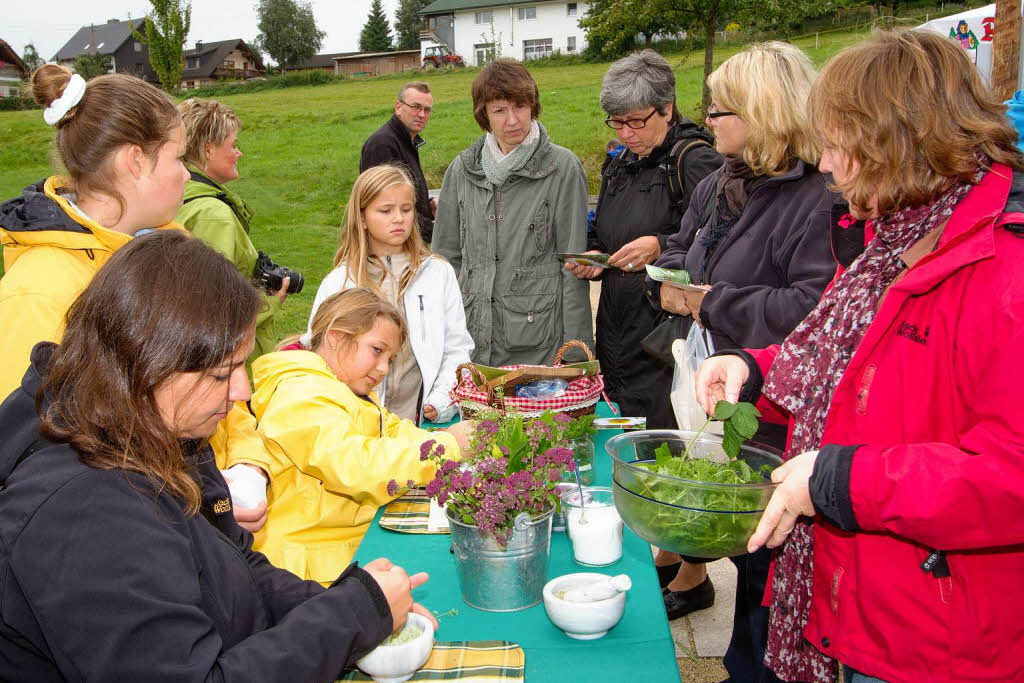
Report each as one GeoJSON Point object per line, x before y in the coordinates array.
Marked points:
{"type": "Point", "coordinates": [398, 142]}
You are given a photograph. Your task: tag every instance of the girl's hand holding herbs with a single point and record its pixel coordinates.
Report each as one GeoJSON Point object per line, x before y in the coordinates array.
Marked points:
{"type": "Point", "coordinates": [792, 498]}
{"type": "Point", "coordinates": [720, 378]}
{"type": "Point", "coordinates": [462, 431]}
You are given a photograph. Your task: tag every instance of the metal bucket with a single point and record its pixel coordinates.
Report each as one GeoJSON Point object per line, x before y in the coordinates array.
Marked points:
{"type": "Point", "coordinates": [497, 579]}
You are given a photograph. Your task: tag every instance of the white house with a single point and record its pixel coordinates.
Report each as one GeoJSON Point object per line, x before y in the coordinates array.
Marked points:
{"type": "Point", "coordinates": [525, 30]}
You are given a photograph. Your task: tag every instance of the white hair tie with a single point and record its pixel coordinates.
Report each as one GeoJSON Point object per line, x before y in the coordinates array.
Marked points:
{"type": "Point", "coordinates": [71, 96]}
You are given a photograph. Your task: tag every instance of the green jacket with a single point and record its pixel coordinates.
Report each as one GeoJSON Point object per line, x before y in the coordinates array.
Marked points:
{"type": "Point", "coordinates": [220, 218]}
{"type": "Point", "coordinates": [521, 305]}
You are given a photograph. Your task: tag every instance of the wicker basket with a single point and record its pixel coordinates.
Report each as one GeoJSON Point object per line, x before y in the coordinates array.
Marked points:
{"type": "Point", "coordinates": [474, 392]}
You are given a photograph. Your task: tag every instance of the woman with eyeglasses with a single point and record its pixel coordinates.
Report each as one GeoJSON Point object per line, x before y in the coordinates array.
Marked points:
{"type": "Point", "coordinates": [756, 238]}
{"type": "Point", "coordinates": [643, 196]}
{"type": "Point", "coordinates": [508, 204]}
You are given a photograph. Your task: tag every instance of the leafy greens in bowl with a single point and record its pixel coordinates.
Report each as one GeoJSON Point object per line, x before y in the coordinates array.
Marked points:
{"type": "Point", "coordinates": [681, 492]}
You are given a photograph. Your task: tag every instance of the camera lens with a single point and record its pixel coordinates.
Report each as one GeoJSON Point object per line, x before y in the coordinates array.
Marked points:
{"type": "Point", "coordinates": [295, 286]}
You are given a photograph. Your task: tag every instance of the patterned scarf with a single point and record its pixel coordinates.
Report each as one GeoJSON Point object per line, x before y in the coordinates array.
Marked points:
{"type": "Point", "coordinates": [497, 165]}
{"type": "Point", "coordinates": [802, 379]}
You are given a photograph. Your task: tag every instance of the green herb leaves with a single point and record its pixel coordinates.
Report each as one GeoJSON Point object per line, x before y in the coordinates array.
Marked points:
{"type": "Point", "coordinates": [740, 424]}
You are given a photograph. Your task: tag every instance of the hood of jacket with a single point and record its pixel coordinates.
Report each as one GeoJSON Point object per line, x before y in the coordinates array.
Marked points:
{"type": "Point", "coordinates": [42, 216]}
{"type": "Point", "coordinates": [541, 163]}
{"type": "Point", "coordinates": [201, 185]}
{"type": "Point", "coordinates": [19, 421]}
{"type": "Point", "coordinates": [271, 369]}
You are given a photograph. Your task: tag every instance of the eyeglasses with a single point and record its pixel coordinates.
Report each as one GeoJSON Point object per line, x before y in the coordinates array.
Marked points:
{"type": "Point", "coordinates": [635, 124]}
{"type": "Point", "coordinates": [418, 108]}
{"type": "Point", "coordinates": [713, 113]}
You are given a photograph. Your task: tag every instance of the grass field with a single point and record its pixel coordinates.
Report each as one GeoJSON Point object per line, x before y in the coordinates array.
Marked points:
{"type": "Point", "coordinates": [302, 147]}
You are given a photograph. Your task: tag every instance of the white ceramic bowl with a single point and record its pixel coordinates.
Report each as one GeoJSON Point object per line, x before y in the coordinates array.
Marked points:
{"type": "Point", "coordinates": [397, 663]}
{"type": "Point", "coordinates": [581, 620]}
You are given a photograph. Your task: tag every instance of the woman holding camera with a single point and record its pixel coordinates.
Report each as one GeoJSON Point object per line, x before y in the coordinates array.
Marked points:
{"type": "Point", "coordinates": [215, 214]}
{"type": "Point", "coordinates": [121, 141]}
{"type": "Point", "coordinates": [110, 565]}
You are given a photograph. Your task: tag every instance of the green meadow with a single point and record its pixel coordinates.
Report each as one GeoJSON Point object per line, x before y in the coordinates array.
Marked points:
{"type": "Point", "coordinates": [302, 146]}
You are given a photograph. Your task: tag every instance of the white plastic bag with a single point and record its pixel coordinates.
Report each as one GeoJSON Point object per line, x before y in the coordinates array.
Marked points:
{"type": "Point", "coordinates": [689, 353]}
{"type": "Point", "coordinates": [248, 487]}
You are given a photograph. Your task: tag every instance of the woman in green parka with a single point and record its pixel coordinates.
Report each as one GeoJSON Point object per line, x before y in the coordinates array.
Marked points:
{"type": "Point", "coordinates": [215, 214]}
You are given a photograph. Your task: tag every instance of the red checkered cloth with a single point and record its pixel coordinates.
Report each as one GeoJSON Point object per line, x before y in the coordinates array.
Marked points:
{"type": "Point", "coordinates": [580, 393]}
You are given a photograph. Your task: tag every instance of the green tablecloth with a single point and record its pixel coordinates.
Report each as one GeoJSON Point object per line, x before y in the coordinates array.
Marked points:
{"type": "Point", "coordinates": [639, 647]}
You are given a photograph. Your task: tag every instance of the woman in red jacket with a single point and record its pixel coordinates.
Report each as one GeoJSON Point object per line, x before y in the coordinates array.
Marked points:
{"type": "Point", "coordinates": [897, 520]}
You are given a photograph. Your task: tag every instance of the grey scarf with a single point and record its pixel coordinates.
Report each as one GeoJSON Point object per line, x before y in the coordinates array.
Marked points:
{"type": "Point", "coordinates": [497, 166]}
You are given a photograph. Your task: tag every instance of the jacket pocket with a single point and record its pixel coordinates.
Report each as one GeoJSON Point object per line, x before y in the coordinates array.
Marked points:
{"type": "Point", "coordinates": [540, 227]}
{"type": "Point", "coordinates": [474, 315]}
{"type": "Point", "coordinates": [530, 311]}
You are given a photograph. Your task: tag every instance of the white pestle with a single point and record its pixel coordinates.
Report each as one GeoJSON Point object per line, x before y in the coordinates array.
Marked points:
{"type": "Point", "coordinates": [600, 588]}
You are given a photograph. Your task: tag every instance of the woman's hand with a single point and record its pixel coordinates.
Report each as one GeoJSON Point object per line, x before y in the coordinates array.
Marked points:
{"type": "Point", "coordinates": [429, 412]}
{"type": "Point", "coordinates": [282, 293]}
{"type": "Point", "coordinates": [792, 498]}
{"type": "Point", "coordinates": [636, 254]}
{"type": "Point", "coordinates": [397, 588]}
{"type": "Point", "coordinates": [673, 300]}
{"type": "Point", "coordinates": [720, 378]}
{"type": "Point", "coordinates": [251, 519]}
{"type": "Point", "coordinates": [462, 431]}
{"type": "Point", "coordinates": [692, 300]}
{"type": "Point", "coordinates": [584, 272]}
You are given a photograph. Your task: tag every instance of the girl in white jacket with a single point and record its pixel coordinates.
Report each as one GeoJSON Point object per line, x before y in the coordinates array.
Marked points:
{"type": "Point", "coordinates": [381, 249]}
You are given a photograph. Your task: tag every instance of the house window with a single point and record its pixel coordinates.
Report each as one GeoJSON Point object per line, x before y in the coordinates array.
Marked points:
{"type": "Point", "coordinates": [570, 44]}
{"type": "Point", "coordinates": [570, 9]}
{"type": "Point", "coordinates": [485, 17]}
{"type": "Point", "coordinates": [527, 13]}
{"type": "Point", "coordinates": [483, 53]}
{"type": "Point", "coordinates": [194, 63]}
{"type": "Point", "coordinates": [535, 49]}
{"type": "Point", "coordinates": [138, 46]}
{"type": "Point", "coordinates": [229, 64]}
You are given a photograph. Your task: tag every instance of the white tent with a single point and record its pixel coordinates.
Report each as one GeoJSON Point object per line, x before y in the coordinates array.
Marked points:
{"type": "Point", "coordinates": [973, 29]}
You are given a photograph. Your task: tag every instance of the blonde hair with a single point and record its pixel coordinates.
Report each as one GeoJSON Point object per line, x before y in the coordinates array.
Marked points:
{"type": "Point", "coordinates": [354, 250]}
{"type": "Point", "coordinates": [911, 111]}
{"type": "Point", "coordinates": [767, 85]}
{"type": "Point", "coordinates": [206, 122]}
{"type": "Point", "coordinates": [351, 312]}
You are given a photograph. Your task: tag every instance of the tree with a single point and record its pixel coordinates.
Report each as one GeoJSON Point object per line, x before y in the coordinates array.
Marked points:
{"type": "Point", "coordinates": [376, 34]}
{"type": "Point", "coordinates": [1006, 49]}
{"type": "Point", "coordinates": [31, 57]}
{"type": "Point", "coordinates": [288, 32]}
{"type": "Point", "coordinates": [408, 23]}
{"type": "Point", "coordinates": [167, 28]}
{"type": "Point", "coordinates": [92, 64]}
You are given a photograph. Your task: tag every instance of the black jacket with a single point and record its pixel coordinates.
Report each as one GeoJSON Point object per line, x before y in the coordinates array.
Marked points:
{"type": "Point", "coordinates": [391, 144]}
{"type": "Point", "coordinates": [770, 270]}
{"type": "Point", "coordinates": [102, 578]}
{"type": "Point", "coordinates": [635, 201]}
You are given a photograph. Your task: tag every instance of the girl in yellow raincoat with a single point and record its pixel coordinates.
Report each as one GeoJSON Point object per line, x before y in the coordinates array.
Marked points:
{"type": "Point", "coordinates": [331, 447]}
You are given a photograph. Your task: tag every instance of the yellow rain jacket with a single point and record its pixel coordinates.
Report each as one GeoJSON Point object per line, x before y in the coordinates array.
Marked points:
{"type": "Point", "coordinates": [51, 253]}
{"type": "Point", "coordinates": [330, 455]}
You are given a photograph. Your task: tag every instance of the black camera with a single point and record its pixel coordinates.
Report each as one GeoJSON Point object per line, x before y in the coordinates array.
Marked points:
{"type": "Point", "coordinates": [269, 276]}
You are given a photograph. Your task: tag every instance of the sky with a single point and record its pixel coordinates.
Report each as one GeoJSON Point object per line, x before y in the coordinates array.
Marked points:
{"type": "Point", "coordinates": [50, 24]}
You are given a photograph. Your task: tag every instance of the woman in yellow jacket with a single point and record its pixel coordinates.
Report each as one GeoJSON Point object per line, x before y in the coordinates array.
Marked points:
{"type": "Point", "coordinates": [121, 141]}
{"type": "Point", "coordinates": [331, 447]}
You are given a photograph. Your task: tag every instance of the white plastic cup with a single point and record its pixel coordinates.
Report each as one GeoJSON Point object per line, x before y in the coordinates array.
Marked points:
{"type": "Point", "coordinates": [595, 528]}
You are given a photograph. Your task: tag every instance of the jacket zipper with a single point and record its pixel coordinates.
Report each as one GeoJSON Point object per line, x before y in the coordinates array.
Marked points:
{"type": "Point", "coordinates": [423, 322]}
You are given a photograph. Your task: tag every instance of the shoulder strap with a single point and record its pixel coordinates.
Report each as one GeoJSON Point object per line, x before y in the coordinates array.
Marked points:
{"type": "Point", "coordinates": [200, 178]}
{"type": "Point", "coordinates": [677, 155]}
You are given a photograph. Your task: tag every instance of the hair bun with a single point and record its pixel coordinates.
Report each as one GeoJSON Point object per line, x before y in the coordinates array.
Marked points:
{"type": "Point", "coordinates": [48, 82]}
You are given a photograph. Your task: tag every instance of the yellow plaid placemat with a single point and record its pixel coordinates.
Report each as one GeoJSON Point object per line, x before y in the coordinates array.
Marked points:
{"type": "Point", "coordinates": [409, 514]}
{"type": "Point", "coordinates": [483, 661]}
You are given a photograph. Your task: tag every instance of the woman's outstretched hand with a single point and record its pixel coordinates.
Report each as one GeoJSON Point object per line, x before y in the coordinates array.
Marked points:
{"type": "Point", "coordinates": [791, 499]}
{"type": "Point", "coordinates": [720, 378]}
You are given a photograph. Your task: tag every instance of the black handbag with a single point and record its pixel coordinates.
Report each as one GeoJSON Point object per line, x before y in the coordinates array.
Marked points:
{"type": "Point", "coordinates": [658, 342]}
